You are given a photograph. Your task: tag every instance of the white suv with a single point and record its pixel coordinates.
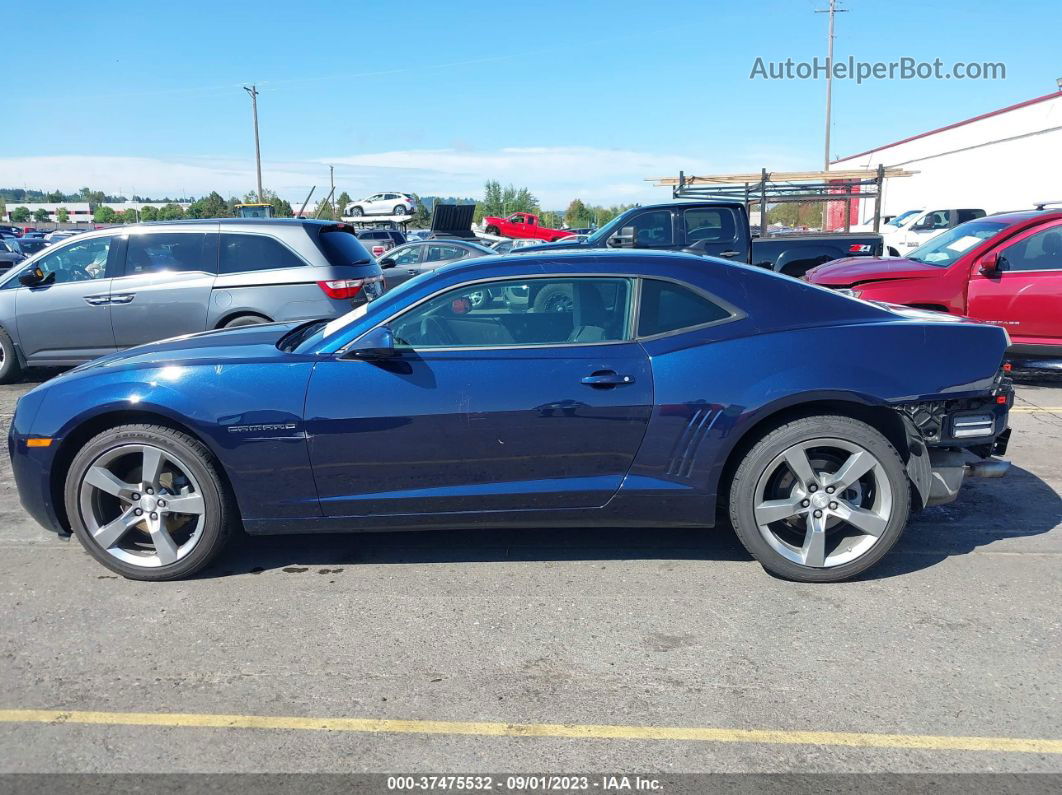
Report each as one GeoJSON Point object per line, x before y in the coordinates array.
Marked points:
{"type": "Point", "coordinates": [383, 204]}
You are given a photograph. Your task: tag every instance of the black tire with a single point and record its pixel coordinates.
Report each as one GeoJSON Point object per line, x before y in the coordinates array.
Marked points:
{"type": "Point", "coordinates": [10, 366]}
{"type": "Point", "coordinates": [357, 212]}
{"type": "Point", "coordinates": [493, 230]}
{"type": "Point", "coordinates": [759, 466]}
{"type": "Point", "coordinates": [246, 320]}
{"type": "Point", "coordinates": [219, 511]}
{"type": "Point", "coordinates": [400, 210]}
{"type": "Point", "coordinates": [554, 298]}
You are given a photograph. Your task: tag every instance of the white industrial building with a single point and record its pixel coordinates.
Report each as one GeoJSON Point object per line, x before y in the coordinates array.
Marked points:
{"type": "Point", "coordinates": [79, 212]}
{"type": "Point", "coordinates": [1003, 160]}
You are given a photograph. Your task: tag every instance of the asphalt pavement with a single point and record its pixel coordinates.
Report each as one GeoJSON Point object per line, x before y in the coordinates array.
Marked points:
{"type": "Point", "coordinates": [550, 651]}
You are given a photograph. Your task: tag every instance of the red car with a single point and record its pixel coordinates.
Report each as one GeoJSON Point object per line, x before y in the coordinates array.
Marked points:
{"type": "Point", "coordinates": [522, 225]}
{"type": "Point", "coordinates": [1002, 269]}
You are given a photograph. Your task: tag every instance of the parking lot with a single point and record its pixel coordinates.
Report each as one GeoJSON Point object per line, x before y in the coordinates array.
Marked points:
{"type": "Point", "coordinates": [353, 649]}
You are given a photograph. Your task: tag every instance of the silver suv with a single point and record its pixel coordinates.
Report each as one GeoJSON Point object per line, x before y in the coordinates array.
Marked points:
{"type": "Point", "coordinates": [116, 288]}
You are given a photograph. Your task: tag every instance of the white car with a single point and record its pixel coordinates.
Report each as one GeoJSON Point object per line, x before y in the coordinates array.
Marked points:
{"type": "Point", "coordinates": [383, 204]}
{"type": "Point", "coordinates": [910, 229]}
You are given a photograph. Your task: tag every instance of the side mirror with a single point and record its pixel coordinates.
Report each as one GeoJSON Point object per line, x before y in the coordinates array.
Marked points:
{"type": "Point", "coordinates": [388, 262]}
{"type": "Point", "coordinates": [624, 238]}
{"type": "Point", "coordinates": [990, 263]}
{"type": "Point", "coordinates": [376, 344]}
{"type": "Point", "coordinates": [31, 278]}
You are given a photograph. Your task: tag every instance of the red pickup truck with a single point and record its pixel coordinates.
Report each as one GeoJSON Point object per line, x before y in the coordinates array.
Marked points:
{"type": "Point", "coordinates": [1002, 269]}
{"type": "Point", "coordinates": [522, 225]}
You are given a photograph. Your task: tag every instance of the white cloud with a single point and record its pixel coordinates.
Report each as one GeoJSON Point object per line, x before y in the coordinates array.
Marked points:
{"type": "Point", "coordinates": [554, 174]}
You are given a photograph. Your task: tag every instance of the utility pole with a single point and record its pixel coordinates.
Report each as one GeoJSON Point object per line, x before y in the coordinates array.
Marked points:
{"type": "Point", "coordinates": [833, 10]}
{"type": "Point", "coordinates": [253, 91]}
{"type": "Point", "coordinates": [332, 179]}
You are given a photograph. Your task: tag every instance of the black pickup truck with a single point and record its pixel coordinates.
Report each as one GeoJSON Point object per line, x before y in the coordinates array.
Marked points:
{"type": "Point", "coordinates": [721, 229]}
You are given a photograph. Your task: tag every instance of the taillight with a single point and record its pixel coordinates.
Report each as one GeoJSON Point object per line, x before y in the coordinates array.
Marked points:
{"type": "Point", "coordinates": [378, 249]}
{"type": "Point", "coordinates": [344, 289]}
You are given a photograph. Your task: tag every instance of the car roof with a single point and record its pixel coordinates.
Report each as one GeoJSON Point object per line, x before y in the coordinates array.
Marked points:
{"type": "Point", "coordinates": [624, 262]}
{"type": "Point", "coordinates": [1023, 215]}
{"type": "Point", "coordinates": [241, 222]}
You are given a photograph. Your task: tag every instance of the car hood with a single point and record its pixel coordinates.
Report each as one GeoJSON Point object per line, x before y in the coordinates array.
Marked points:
{"type": "Point", "coordinates": [855, 270]}
{"type": "Point", "coordinates": [246, 343]}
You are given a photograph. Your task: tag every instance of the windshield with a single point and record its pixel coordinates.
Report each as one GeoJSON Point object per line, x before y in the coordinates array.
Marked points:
{"type": "Point", "coordinates": [946, 248]}
{"type": "Point", "coordinates": [899, 219]}
{"type": "Point", "coordinates": [606, 231]}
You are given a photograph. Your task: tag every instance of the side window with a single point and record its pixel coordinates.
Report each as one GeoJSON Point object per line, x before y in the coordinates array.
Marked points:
{"type": "Point", "coordinates": [243, 253]}
{"type": "Point", "coordinates": [172, 252]}
{"type": "Point", "coordinates": [715, 225]}
{"type": "Point", "coordinates": [78, 262]}
{"type": "Point", "coordinates": [408, 256]}
{"type": "Point", "coordinates": [938, 219]}
{"type": "Point", "coordinates": [653, 229]}
{"type": "Point", "coordinates": [440, 253]}
{"type": "Point", "coordinates": [962, 216]}
{"type": "Point", "coordinates": [666, 306]}
{"type": "Point", "coordinates": [549, 311]}
{"type": "Point", "coordinates": [1039, 252]}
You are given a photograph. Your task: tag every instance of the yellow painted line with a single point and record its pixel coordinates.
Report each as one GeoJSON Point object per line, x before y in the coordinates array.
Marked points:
{"type": "Point", "coordinates": [561, 730]}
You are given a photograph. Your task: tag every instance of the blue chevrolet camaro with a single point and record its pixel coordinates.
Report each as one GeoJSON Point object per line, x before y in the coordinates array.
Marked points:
{"type": "Point", "coordinates": [558, 389]}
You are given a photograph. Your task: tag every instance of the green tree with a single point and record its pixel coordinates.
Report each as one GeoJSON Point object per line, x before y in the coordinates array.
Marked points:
{"type": "Point", "coordinates": [281, 207]}
{"type": "Point", "coordinates": [171, 212]}
{"type": "Point", "coordinates": [42, 216]}
{"type": "Point", "coordinates": [577, 214]}
{"type": "Point", "coordinates": [324, 211]}
{"type": "Point", "coordinates": [342, 202]}
{"type": "Point", "coordinates": [795, 214]}
{"type": "Point", "coordinates": [422, 215]}
{"type": "Point", "coordinates": [104, 215]}
{"type": "Point", "coordinates": [20, 215]}
{"type": "Point", "coordinates": [62, 215]}
{"type": "Point", "coordinates": [55, 196]}
{"type": "Point", "coordinates": [210, 206]}
{"type": "Point", "coordinates": [149, 213]}
{"type": "Point", "coordinates": [499, 201]}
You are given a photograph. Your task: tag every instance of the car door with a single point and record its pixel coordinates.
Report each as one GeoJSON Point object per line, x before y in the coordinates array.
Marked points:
{"type": "Point", "coordinates": [407, 261]}
{"type": "Point", "coordinates": [929, 226]}
{"type": "Point", "coordinates": [67, 318]}
{"type": "Point", "coordinates": [485, 409]}
{"type": "Point", "coordinates": [1024, 293]}
{"type": "Point", "coordinates": [165, 285]}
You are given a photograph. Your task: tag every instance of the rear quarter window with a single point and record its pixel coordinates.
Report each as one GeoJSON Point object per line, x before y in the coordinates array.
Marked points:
{"type": "Point", "coordinates": [243, 253]}
{"type": "Point", "coordinates": [341, 247]}
{"type": "Point", "coordinates": [667, 306]}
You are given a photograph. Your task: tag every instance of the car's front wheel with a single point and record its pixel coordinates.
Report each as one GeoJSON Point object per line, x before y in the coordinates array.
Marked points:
{"type": "Point", "coordinates": [820, 499]}
{"type": "Point", "coordinates": [357, 212]}
{"type": "Point", "coordinates": [148, 502]}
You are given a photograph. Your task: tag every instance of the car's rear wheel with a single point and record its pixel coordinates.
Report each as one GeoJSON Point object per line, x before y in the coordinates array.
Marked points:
{"type": "Point", "coordinates": [10, 367]}
{"type": "Point", "coordinates": [148, 502]}
{"type": "Point", "coordinates": [401, 210]}
{"type": "Point", "coordinates": [820, 499]}
{"type": "Point", "coordinates": [245, 320]}
{"type": "Point", "coordinates": [492, 230]}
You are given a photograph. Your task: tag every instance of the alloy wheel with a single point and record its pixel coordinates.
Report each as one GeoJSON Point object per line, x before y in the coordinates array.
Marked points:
{"type": "Point", "coordinates": [142, 505]}
{"type": "Point", "coordinates": [823, 503]}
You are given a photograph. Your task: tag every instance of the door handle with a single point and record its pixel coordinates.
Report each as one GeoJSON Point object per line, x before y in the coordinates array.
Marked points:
{"type": "Point", "coordinates": [605, 379]}
{"type": "Point", "coordinates": [123, 298]}
{"type": "Point", "coordinates": [97, 300]}
{"type": "Point", "coordinates": [729, 253]}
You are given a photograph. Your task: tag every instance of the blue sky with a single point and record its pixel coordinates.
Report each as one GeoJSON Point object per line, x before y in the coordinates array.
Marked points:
{"type": "Point", "coordinates": [569, 98]}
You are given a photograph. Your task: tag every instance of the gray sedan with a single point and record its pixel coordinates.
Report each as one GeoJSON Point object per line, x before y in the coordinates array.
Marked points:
{"type": "Point", "coordinates": [404, 262]}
